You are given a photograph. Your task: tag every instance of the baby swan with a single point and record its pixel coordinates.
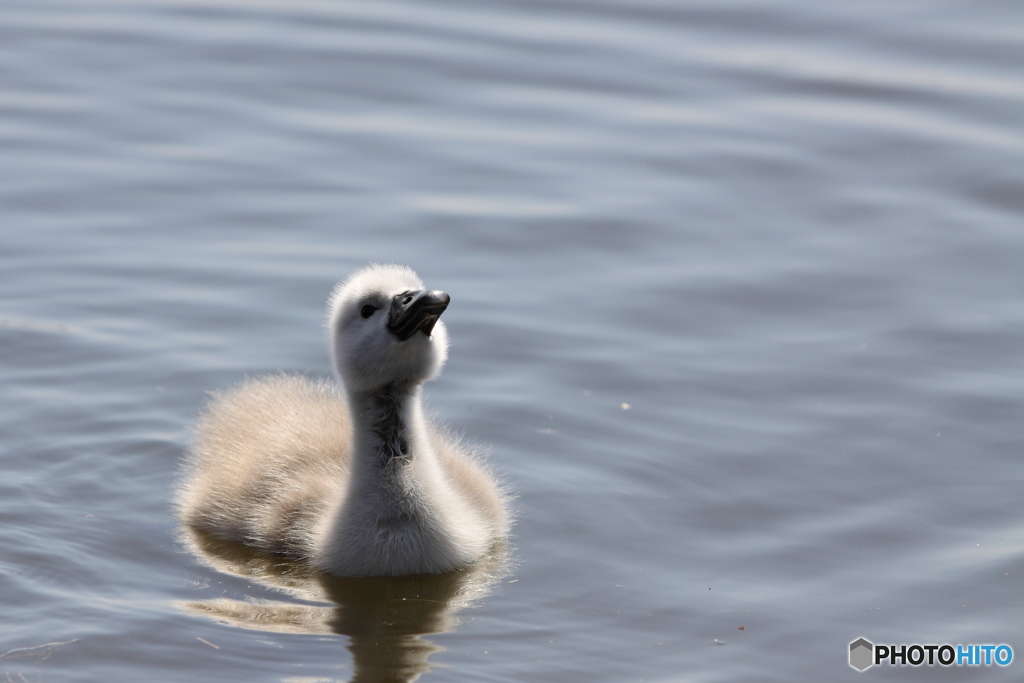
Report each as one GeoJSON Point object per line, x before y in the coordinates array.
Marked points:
{"type": "Point", "coordinates": [352, 479]}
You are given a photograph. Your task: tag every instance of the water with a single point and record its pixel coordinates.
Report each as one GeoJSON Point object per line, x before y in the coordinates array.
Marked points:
{"type": "Point", "coordinates": [737, 305]}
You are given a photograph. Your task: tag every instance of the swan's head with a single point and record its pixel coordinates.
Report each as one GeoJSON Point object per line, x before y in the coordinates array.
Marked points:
{"type": "Point", "coordinates": [383, 327]}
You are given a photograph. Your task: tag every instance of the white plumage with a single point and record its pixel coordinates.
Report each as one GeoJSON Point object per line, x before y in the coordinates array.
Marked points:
{"type": "Point", "coordinates": [349, 477]}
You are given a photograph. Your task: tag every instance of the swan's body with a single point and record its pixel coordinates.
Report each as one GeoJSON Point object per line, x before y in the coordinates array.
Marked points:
{"type": "Point", "coordinates": [353, 478]}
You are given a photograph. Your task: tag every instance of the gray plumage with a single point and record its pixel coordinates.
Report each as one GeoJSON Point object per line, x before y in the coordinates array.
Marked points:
{"type": "Point", "coordinates": [348, 476]}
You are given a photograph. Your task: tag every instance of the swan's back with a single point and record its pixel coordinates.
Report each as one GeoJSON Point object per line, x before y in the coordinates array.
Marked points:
{"type": "Point", "coordinates": [469, 474]}
{"type": "Point", "coordinates": [269, 459]}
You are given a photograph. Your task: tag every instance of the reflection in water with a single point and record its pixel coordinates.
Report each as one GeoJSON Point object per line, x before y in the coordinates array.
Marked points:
{"type": "Point", "coordinates": [384, 617]}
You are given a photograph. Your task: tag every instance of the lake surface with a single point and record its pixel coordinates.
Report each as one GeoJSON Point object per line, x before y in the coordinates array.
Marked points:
{"type": "Point", "coordinates": [737, 309]}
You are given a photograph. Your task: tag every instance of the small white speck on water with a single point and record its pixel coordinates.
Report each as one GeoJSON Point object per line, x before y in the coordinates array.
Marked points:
{"type": "Point", "coordinates": [625, 406]}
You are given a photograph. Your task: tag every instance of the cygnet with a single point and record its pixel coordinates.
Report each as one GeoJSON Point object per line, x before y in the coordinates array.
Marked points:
{"type": "Point", "coordinates": [352, 477]}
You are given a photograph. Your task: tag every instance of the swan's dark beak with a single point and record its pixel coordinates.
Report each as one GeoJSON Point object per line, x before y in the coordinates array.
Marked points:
{"type": "Point", "coordinates": [414, 311]}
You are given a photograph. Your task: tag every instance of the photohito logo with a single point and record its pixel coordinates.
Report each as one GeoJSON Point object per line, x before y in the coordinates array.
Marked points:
{"type": "Point", "coordinates": [863, 654]}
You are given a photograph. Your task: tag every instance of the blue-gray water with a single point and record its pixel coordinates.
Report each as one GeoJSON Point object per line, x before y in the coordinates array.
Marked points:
{"type": "Point", "coordinates": [737, 305]}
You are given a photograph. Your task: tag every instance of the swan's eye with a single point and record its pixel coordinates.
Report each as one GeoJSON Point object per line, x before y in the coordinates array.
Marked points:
{"type": "Point", "coordinates": [367, 311]}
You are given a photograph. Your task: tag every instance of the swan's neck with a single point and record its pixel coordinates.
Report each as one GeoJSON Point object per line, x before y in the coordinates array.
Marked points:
{"type": "Point", "coordinates": [388, 429]}
{"type": "Point", "coordinates": [400, 513]}
{"type": "Point", "coordinates": [392, 453]}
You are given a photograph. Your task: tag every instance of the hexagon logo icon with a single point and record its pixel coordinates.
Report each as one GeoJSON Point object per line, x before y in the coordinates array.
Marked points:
{"type": "Point", "coordinates": [861, 654]}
